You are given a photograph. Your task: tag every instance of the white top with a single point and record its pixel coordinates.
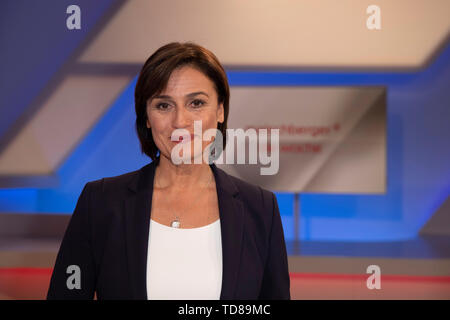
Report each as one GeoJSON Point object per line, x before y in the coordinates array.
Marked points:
{"type": "Point", "coordinates": [184, 264]}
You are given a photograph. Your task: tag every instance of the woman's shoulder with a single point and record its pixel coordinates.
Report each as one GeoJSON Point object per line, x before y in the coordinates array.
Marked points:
{"type": "Point", "coordinates": [259, 204]}
{"type": "Point", "coordinates": [250, 191]}
{"type": "Point", "coordinates": [113, 184]}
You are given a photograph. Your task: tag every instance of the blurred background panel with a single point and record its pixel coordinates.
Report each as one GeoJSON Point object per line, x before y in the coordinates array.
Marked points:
{"type": "Point", "coordinates": [67, 117]}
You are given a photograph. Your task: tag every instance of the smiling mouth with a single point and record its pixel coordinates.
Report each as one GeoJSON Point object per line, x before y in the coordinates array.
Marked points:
{"type": "Point", "coordinates": [183, 139]}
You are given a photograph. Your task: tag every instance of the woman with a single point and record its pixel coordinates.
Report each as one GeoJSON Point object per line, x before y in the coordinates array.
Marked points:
{"type": "Point", "coordinates": [175, 230]}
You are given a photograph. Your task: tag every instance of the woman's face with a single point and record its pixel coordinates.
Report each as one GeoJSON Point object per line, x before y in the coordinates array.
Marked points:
{"type": "Point", "coordinates": [188, 96]}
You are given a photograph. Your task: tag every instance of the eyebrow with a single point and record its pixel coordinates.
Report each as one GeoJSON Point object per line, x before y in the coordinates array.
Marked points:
{"type": "Point", "coordinates": [189, 95]}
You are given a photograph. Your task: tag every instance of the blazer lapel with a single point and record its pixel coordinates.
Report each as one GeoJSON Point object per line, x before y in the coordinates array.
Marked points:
{"type": "Point", "coordinates": [232, 231]}
{"type": "Point", "coordinates": [137, 223]}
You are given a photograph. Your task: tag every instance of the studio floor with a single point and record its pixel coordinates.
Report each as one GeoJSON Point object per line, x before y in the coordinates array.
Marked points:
{"type": "Point", "coordinates": [32, 283]}
{"type": "Point", "coordinates": [416, 269]}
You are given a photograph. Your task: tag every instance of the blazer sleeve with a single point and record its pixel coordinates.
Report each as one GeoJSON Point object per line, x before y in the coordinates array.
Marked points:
{"type": "Point", "coordinates": [276, 281]}
{"type": "Point", "coordinates": [73, 275]}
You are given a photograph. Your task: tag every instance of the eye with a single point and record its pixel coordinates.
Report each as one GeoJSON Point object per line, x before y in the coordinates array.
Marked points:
{"type": "Point", "coordinates": [162, 106]}
{"type": "Point", "coordinates": [197, 103]}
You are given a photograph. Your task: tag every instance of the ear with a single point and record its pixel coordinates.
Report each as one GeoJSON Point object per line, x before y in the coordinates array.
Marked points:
{"type": "Point", "coordinates": [220, 113]}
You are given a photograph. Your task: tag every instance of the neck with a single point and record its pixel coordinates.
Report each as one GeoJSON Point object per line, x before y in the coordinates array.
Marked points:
{"type": "Point", "coordinates": [182, 176]}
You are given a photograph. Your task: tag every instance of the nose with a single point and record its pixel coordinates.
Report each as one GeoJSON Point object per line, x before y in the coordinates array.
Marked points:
{"type": "Point", "coordinates": [181, 118]}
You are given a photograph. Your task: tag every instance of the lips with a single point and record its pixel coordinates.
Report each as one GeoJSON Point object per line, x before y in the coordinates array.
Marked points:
{"type": "Point", "coordinates": [185, 138]}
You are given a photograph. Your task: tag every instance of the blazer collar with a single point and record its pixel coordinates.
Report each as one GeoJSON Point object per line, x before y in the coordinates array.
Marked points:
{"type": "Point", "coordinates": [137, 223]}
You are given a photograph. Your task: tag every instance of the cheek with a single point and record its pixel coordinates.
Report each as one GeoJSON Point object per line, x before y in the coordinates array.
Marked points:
{"type": "Point", "coordinates": [211, 121]}
{"type": "Point", "coordinates": [209, 124]}
{"type": "Point", "coordinates": [158, 131]}
{"type": "Point", "coordinates": [157, 124]}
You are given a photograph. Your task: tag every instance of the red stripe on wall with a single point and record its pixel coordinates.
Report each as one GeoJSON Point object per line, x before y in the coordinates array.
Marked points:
{"type": "Point", "coordinates": [25, 271]}
{"type": "Point", "coordinates": [364, 277]}
{"type": "Point", "coordinates": [48, 271]}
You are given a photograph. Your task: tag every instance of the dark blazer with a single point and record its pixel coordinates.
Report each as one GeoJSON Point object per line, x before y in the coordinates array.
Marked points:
{"type": "Point", "coordinates": [107, 237]}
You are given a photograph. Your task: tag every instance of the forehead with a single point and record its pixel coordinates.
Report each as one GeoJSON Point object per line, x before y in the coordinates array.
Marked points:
{"type": "Point", "coordinates": [187, 79]}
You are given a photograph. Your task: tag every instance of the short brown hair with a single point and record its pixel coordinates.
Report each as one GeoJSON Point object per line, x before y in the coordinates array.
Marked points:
{"type": "Point", "coordinates": [155, 74]}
